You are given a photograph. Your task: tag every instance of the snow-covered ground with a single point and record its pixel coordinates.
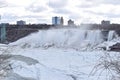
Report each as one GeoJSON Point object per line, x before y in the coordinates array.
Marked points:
{"type": "Point", "coordinates": [65, 54]}
{"type": "Point", "coordinates": [57, 64]}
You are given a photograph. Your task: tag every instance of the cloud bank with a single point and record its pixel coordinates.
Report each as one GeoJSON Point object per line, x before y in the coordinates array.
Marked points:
{"type": "Point", "coordinates": [41, 11]}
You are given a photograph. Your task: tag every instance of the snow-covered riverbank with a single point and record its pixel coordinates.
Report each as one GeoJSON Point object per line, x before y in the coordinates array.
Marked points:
{"type": "Point", "coordinates": [64, 55]}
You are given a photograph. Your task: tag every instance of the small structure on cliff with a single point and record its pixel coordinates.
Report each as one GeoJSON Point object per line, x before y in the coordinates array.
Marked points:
{"type": "Point", "coordinates": [2, 33]}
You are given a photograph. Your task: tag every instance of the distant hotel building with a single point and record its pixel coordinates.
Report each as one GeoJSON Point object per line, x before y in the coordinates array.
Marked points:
{"type": "Point", "coordinates": [105, 23]}
{"type": "Point", "coordinates": [57, 20]}
{"type": "Point", "coordinates": [70, 23]}
{"type": "Point", "coordinates": [21, 23]}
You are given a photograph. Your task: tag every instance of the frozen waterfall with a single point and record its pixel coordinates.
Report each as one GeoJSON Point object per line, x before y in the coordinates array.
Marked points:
{"type": "Point", "coordinates": [65, 38]}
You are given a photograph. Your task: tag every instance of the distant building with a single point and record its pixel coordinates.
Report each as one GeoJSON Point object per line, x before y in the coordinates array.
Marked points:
{"type": "Point", "coordinates": [6, 24]}
{"type": "Point", "coordinates": [21, 22]}
{"type": "Point", "coordinates": [70, 23]}
{"type": "Point", "coordinates": [105, 23]}
{"type": "Point", "coordinates": [57, 20]}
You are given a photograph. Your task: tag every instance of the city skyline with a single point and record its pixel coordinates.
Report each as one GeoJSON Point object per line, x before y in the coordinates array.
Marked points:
{"type": "Point", "coordinates": [41, 11]}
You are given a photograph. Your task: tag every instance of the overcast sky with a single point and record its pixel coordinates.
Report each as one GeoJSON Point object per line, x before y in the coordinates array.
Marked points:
{"type": "Point", "coordinates": [41, 11]}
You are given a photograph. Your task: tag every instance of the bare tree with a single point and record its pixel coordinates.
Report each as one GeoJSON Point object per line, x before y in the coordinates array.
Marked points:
{"type": "Point", "coordinates": [109, 66]}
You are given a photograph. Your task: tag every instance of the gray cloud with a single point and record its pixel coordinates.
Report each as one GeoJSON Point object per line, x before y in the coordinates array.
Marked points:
{"type": "Point", "coordinates": [113, 2]}
{"type": "Point", "coordinates": [95, 3]}
{"type": "Point", "coordinates": [57, 3]}
{"type": "Point", "coordinates": [61, 11]}
{"type": "Point", "coordinates": [31, 16]}
{"type": "Point", "coordinates": [9, 16]}
{"type": "Point", "coordinates": [3, 3]}
{"type": "Point", "coordinates": [36, 8]}
{"type": "Point", "coordinates": [108, 14]}
{"type": "Point", "coordinates": [12, 16]}
{"type": "Point", "coordinates": [75, 17]}
{"type": "Point", "coordinates": [85, 5]}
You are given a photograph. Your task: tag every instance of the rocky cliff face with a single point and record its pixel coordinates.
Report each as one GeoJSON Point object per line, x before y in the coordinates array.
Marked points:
{"type": "Point", "coordinates": [115, 47]}
{"type": "Point", "coordinates": [15, 34]}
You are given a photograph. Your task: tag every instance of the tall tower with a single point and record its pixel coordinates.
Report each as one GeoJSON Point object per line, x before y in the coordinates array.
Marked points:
{"type": "Point", "coordinates": [62, 21]}
{"type": "Point", "coordinates": [2, 33]}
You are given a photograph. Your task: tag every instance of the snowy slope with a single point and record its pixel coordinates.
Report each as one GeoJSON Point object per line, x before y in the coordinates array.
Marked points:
{"type": "Point", "coordinates": [55, 64]}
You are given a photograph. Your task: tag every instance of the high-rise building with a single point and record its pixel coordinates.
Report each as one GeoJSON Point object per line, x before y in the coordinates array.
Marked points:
{"type": "Point", "coordinates": [21, 22]}
{"type": "Point", "coordinates": [57, 20]}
